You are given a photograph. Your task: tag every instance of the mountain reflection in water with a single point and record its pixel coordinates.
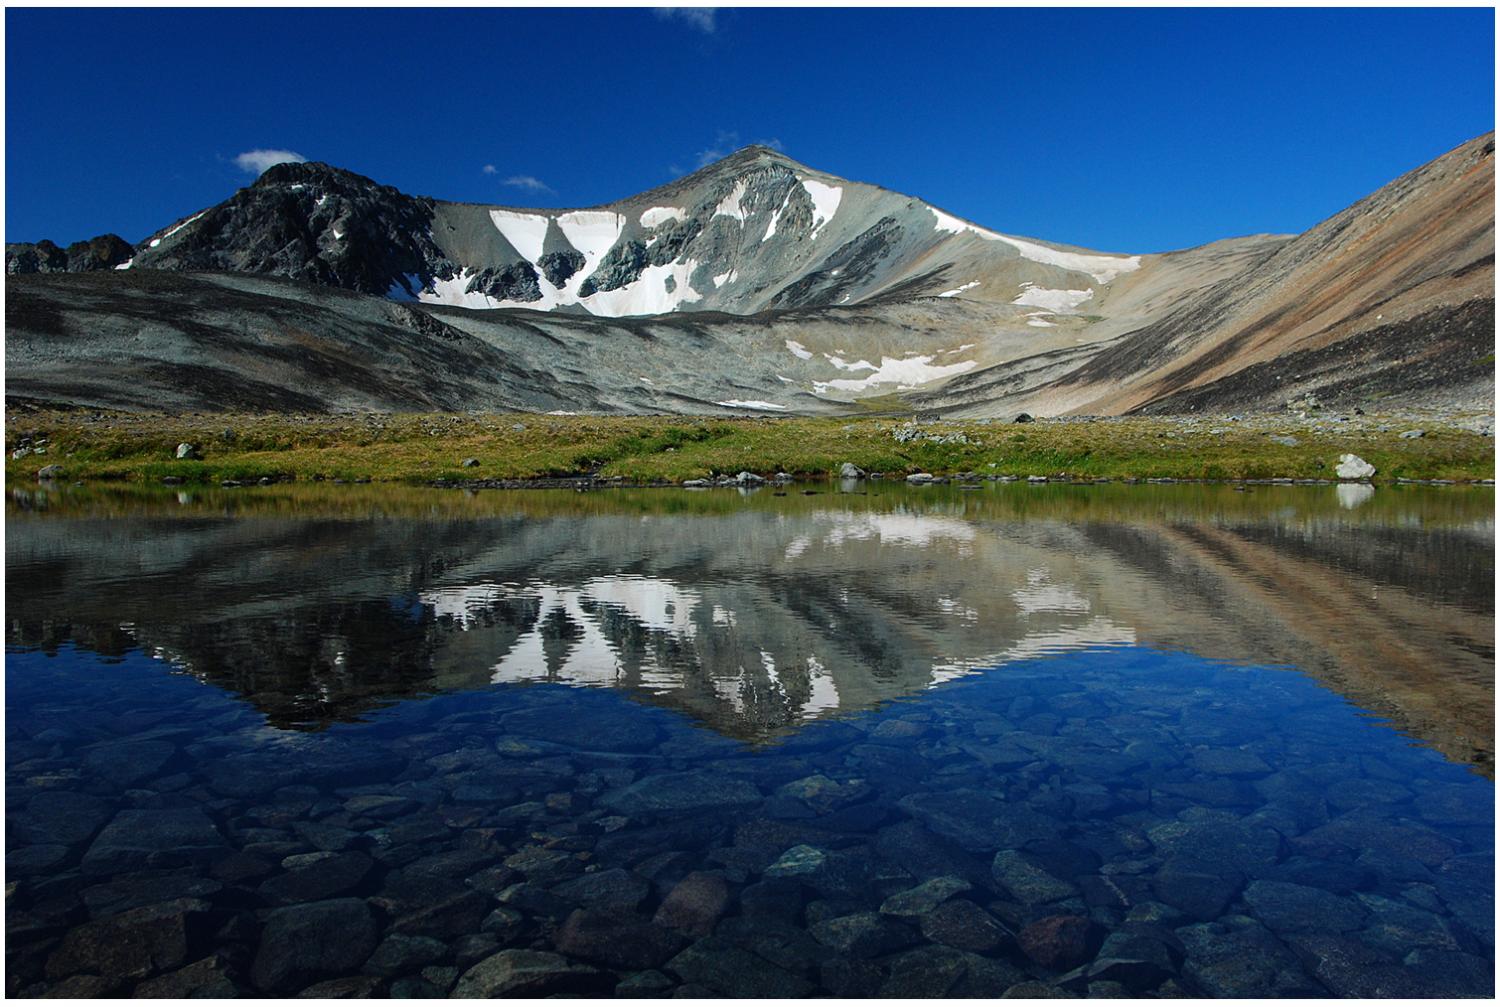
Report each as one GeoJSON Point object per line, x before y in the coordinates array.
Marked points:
{"type": "Point", "coordinates": [754, 614]}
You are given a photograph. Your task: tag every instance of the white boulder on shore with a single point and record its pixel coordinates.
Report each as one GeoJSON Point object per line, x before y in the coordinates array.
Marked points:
{"type": "Point", "coordinates": [1354, 467]}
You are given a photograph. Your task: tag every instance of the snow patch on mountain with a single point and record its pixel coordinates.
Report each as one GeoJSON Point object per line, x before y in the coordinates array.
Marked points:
{"type": "Point", "coordinates": [524, 231]}
{"type": "Point", "coordinates": [844, 365]}
{"type": "Point", "coordinates": [659, 215]}
{"type": "Point", "coordinates": [452, 292]}
{"type": "Point", "coordinates": [730, 205]}
{"type": "Point", "coordinates": [798, 350]}
{"type": "Point", "coordinates": [826, 199]}
{"type": "Point", "coordinates": [592, 232]}
{"type": "Point", "coordinates": [752, 404]}
{"type": "Point", "coordinates": [648, 295]}
{"type": "Point", "coordinates": [171, 231]}
{"type": "Point", "coordinates": [776, 217]}
{"type": "Point", "coordinates": [906, 372]}
{"type": "Point", "coordinates": [1103, 268]}
{"type": "Point", "coordinates": [1053, 300]}
{"type": "Point", "coordinates": [958, 290]}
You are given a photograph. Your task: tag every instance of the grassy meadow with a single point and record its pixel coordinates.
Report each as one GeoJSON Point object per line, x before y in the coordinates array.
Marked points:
{"type": "Point", "coordinates": [418, 449]}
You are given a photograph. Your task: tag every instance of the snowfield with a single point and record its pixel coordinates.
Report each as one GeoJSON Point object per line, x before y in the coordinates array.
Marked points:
{"type": "Point", "coordinates": [826, 199]}
{"type": "Point", "coordinates": [730, 206]}
{"type": "Point", "coordinates": [776, 217]}
{"type": "Point", "coordinates": [646, 296]}
{"type": "Point", "coordinates": [752, 404]}
{"type": "Point", "coordinates": [1103, 268]}
{"type": "Point", "coordinates": [1053, 300]}
{"type": "Point", "coordinates": [524, 231]}
{"type": "Point", "coordinates": [592, 232]}
{"type": "Point", "coordinates": [906, 372]}
{"type": "Point", "coordinates": [659, 215]}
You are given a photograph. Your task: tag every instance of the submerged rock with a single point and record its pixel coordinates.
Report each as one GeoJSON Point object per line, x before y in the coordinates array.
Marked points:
{"type": "Point", "coordinates": [207, 978]}
{"type": "Point", "coordinates": [321, 879]}
{"type": "Point", "coordinates": [863, 935]}
{"type": "Point", "coordinates": [1242, 960]}
{"type": "Point", "coordinates": [1238, 845]}
{"type": "Point", "coordinates": [799, 861]}
{"type": "Point", "coordinates": [399, 954]}
{"type": "Point", "coordinates": [1057, 942]}
{"type": "Point", "coordinates": [1029, 883]}
{"type": "Point", "coordinates": [717, 965]}
{"type": "Point", "coordinates": [681, 792]}
{"type": "Point", "coordinates": [61, 816]}
{"type": "Point", "coordinates": [963, 925]}
{"type": "Point", "coordinates": [978, 821]}
{"type": "Point", "coordinates": [924, 898]}
{"type": "Point", "coordinates": [156, 837]}
{"type": "Point", "coordinates": [1198, 891]}
{"type": "Point", "coordinates": [518, 972]}
{"type": "Point", "coordinates": [695, 904]}
{"type": "Point", "coordinates": [303, 943]}
{"type": "Point", "coordinates": [132, 945]}
{"type": "Point", "coordinates": [1286, 907]}
{"type": "Point", "coordinates": [822, 794]}
{"type": "Point", "coordinates": [616, 939]}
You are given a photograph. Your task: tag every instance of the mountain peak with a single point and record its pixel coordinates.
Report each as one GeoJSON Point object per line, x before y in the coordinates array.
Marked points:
{"type": "Point", "coordinates": [755, 153]}
{"type": "Point", "coordinates": [292, 172]}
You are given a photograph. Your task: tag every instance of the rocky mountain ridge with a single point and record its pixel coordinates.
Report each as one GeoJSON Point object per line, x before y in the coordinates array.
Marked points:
{"type": "Point", "coordinates": [754, 231]}
{"type": "Point", "coordinates": [755, 284]}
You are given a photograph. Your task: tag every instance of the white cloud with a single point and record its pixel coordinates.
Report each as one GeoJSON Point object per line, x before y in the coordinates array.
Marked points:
{"type": "Point", "coordinates": [702, 18]}
{"type": "Point", "coordinates": [527, 182]}
{"type": "Point", "coordinates": [257, 161]}
{"type": "Point", "coordinates": [490, 169]}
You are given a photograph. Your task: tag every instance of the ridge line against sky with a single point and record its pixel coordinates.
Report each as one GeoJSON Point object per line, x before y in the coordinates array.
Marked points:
{"type": "Point", "coordinates": [1120, 130]}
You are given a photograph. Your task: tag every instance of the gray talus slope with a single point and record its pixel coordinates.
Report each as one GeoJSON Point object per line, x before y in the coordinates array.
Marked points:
{"type": "Point", "coordinates": [157, 340]}
{"type": "Point", "coordinates": [1392, 296]}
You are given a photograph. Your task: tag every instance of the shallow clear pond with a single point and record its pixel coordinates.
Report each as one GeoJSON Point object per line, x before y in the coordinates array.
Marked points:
{"type": "Point", "coordinates": [1140, 740]}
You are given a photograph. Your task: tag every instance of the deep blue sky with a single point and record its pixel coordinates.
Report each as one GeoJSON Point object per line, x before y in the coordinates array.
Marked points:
{"type": "Point", "coordinates": [1118, 130]}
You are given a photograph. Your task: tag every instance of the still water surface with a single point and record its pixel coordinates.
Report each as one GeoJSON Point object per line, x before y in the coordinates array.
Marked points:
{"type": "Point", "coordinates": [1147, 740]}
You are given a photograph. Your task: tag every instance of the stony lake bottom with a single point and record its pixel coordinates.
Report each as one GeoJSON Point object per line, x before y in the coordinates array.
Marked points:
{"type": "Point", "coordinates": [877, 741]}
